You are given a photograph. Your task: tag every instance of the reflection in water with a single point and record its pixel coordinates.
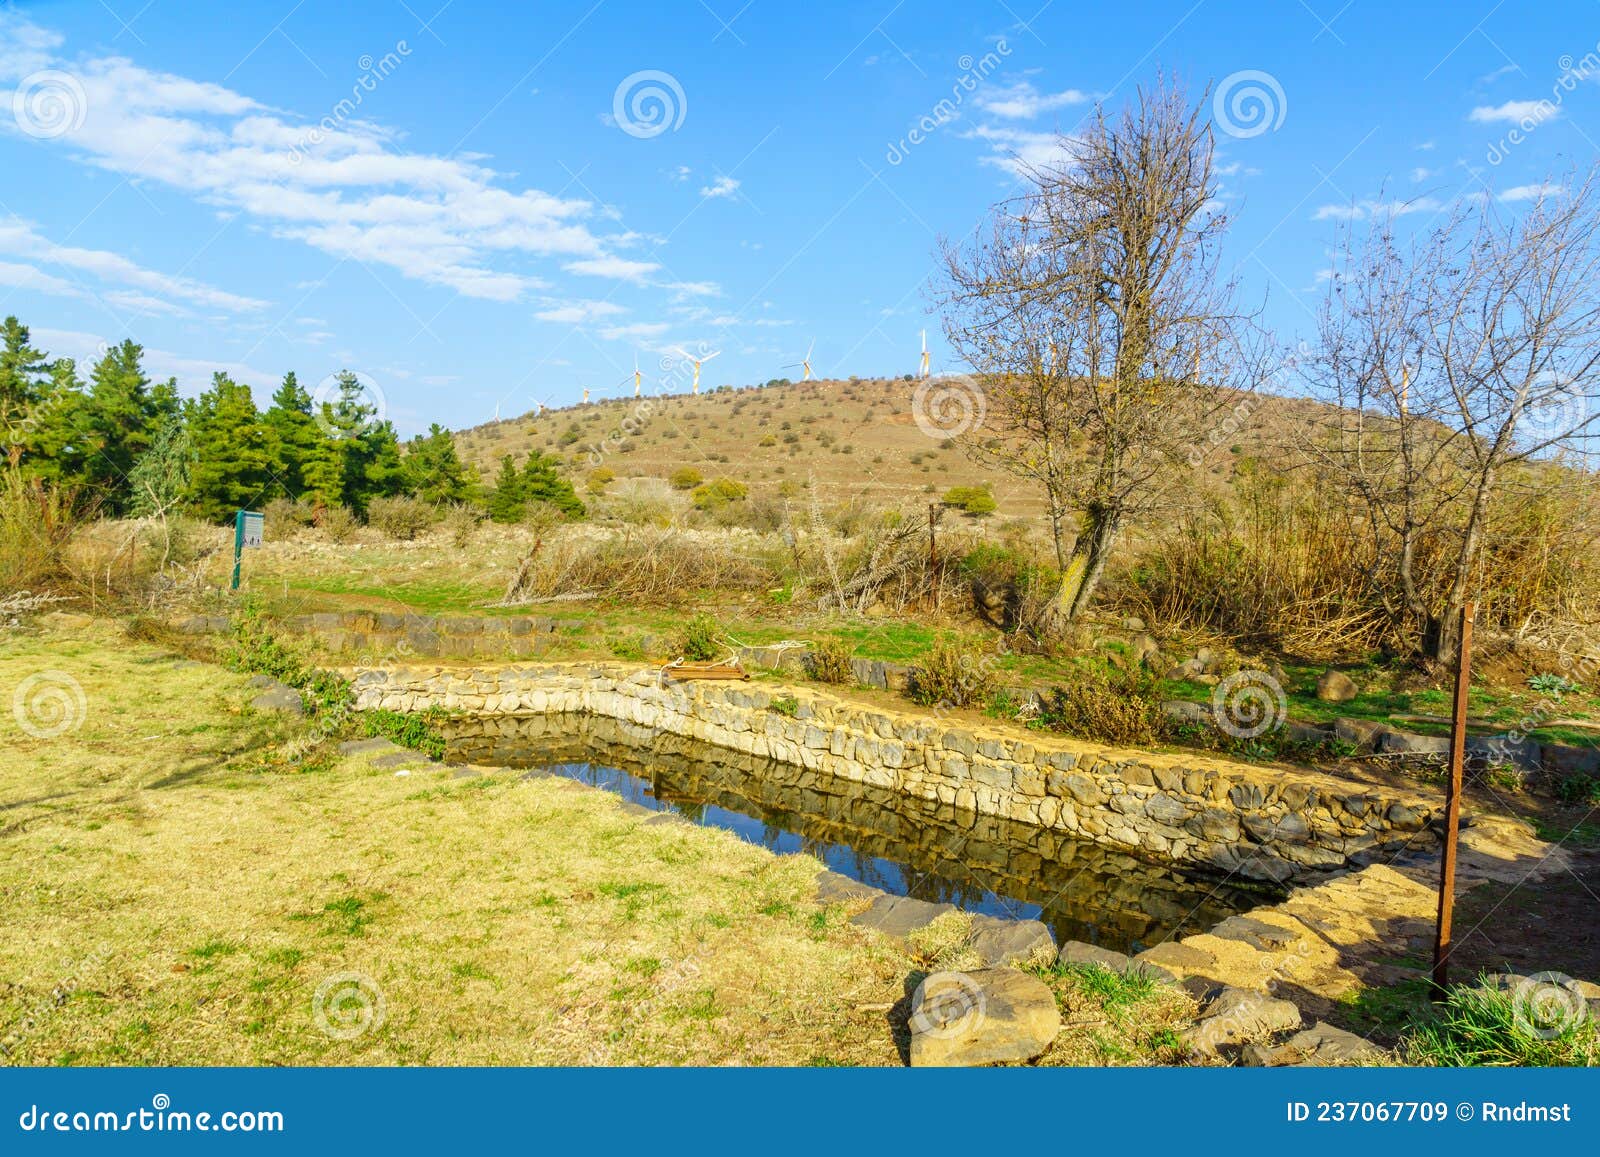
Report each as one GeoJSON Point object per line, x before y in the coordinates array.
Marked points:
{"type": "Point", "coordinates": [904, 845]}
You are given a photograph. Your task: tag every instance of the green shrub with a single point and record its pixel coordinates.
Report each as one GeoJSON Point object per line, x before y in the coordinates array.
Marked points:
{"type": "Point", "coordinates": [686, 478]}
{"type": "Point", "coordinates": [1107, 706]}
{"type": "Point", "coordinates": [718, 493]}
{"type": "Point", "coordinates": [829, 661]}
{"type": "Point", "coordinates": [954, 674]}
{"type": "Point", "coordinates": [402, 518]}
{"type": "Point", "coordinates": [975, 501]}
{"type": "Point", "coordinates": [1579, 789]}
{"type": "Point", "coordinates": [599, 478]}
{"type": "Point", "coordinates": [699, 641]}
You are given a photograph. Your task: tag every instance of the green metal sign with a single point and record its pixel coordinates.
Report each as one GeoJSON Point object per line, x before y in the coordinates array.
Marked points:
{"type": "Point", "coordinates": [249, 528]}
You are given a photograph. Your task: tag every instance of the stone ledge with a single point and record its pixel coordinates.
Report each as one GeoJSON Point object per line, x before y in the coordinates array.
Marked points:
{"type": "Point", "coordinates": [1261, 823]}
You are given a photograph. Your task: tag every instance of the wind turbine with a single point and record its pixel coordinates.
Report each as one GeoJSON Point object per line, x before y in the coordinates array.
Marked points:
{"type": "Point", "coordinates": [636, 378]}
{"type": "Point", "coordinates": [585, 395]}
{"type": "Point", "coordinates": [804, 362]}
{"type": "Point", "coordinates": [922, 369]}
{"type": "Point", "coordinates": [698, 362]}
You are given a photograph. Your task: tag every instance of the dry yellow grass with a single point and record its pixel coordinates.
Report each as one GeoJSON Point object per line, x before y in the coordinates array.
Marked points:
{"type": "Point", "coordinates": [169, 897]}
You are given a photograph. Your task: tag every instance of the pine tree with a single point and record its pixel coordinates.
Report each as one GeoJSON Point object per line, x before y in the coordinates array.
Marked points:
{"type": "Point", "coordinates": [23, 374]}
{"type": "Point", "coordinates": [232, 450]}
{"type": "Point", "coordinates": [506, 501]}
{"type": "Point", "coordinates": [116, 422]}
{"type": "Point", "coordinates": [433, 470]}
{"type": "Point", "coordinates": [305, 462]}
{"type": "Point", "coordinates": [368, 447]}
{"type": "Point", "coordinates": [542, 482]}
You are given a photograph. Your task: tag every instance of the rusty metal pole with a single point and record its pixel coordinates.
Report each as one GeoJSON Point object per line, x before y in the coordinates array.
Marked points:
{"type": "Point", "coordinates": [1452, 807]}
{"type": "Point", "coordinates": [933, 556]}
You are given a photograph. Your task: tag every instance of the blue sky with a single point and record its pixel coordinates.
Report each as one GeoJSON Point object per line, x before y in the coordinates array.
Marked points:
{"type": "Point", "coordinates": [446, 199]}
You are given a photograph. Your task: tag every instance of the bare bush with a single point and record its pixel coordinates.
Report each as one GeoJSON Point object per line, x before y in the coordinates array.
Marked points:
{"type": "Point", "coordinates": [402, 518]}
{"type": "Point", "coordinates": [659, 566]}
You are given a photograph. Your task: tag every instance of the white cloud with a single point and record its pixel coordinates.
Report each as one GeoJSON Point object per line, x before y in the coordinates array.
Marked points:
{"type": "Point", "coordinates": [612, 266]}
{"type": "Point", "coordinates": [1022, 101]}
{"type": "Point", "coordinates": [721, 187]}
{"type": "Point", "coordinates": [578, 312]}
{"type": "Point", "coordinates": [345, 189]}
{"type": "Point", "coordinates": [1421, 174]}
{"type": "Point", "coordinates": [1362, 210]}
{"type": "Point", "coordinates": [683, 289]}
{"type": "Point", "coordinates": [638, 329]}
{"type": "Point", "coordinates": [1515, 112]}
{"type": "Point", "coordinates": [1529, 192]}
{"type": "Point", "coordinates": [21, 238]}
{"type": "Point", "coordinates": [1019, 150]}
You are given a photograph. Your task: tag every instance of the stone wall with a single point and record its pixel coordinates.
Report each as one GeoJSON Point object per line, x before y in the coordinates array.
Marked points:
{"type": "Point", "coordinates": [1263, 823]}
{"type": "Point", "coordinates": [402, 635]}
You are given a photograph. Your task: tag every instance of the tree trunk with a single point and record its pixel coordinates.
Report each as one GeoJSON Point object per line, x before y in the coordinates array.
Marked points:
{"type": "Point", "coordinates": [1087, 564]}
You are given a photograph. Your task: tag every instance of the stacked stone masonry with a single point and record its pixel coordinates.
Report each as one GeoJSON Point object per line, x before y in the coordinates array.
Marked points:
{"type": "Point", "coordinates": [1263, 823]}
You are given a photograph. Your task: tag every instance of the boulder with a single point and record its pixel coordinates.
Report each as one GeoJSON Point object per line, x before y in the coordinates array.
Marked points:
{"type": "Point", "coordinates": [1176, 957]}
{"type": "Point", "coordinates": [1362, 734]}
{"type": "Point", "coordinates": [833, 888]}
{"type": "Point", "coordinates": [1078, 952]}
{"type": "Point", "coordinates": [900, 915]}
{"type": "Point", "coordinates": [990, 1016]}
{"type": "Point", "coordinates": [1323, 1044]}
{"type": "Point", "coordinates": [1186, 712]}
{"type": "Point", "coordinates": [1336, 687]}
{"type": "Point", "coordinates": [999, 942]}
{"type": "Point", "coordinates": [1239, 1016]}
{"type": "Point", "coordinates": [280, 698]}
{"type": "Point", "coordinates": [1407, 743]}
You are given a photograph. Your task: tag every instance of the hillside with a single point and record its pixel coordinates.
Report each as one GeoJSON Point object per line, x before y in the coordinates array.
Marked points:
{"type": "Point", "coordinates": [856, 438]}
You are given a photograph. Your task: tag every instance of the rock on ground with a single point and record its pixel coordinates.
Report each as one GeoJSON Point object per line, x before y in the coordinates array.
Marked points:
{"type": "Point", "coordinates": [1336, 687]}
{"type": "Point", "coordinates": [999, 942]}
{"type": "Point", "coordinates": [280, 698]}
{"type": "Point", "coordinates": [1239, 1016]}
{"type": "Point", "coordinates": [899, 915]}
{"type": "Point", "coordinates": [990, 1016]}
{"type": "Point", "coordinates": [1082, 953]}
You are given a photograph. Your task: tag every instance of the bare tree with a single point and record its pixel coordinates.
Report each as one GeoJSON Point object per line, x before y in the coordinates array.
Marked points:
{"type": "Point", "coordinates": [1462, 366]}
{"type": "Point", "coordinates": [1092, 312]}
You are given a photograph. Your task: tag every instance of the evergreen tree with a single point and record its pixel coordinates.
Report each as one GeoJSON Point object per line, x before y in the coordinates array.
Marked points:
{"type": "Point", "coordinates": [304, 459]}
{"type": "Point", "coordinates": [51, 446]}
{"type": "Point", "coordinates": [368, 448]}
{"type": "Point", "coordinates": [116, 422]}
{"type": "Point", "coordinates": [23, 374]}
{"type": "Point", "coordinates": [506, 501]}
{"type": "Point", "coordinates": [232, 450]}
{"type": "Point", "coordinates": [434, 471]}
{"type": "Point", "coordinates": [160, 479]}
{"type": "Point", "coordinates": [541, 482]}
